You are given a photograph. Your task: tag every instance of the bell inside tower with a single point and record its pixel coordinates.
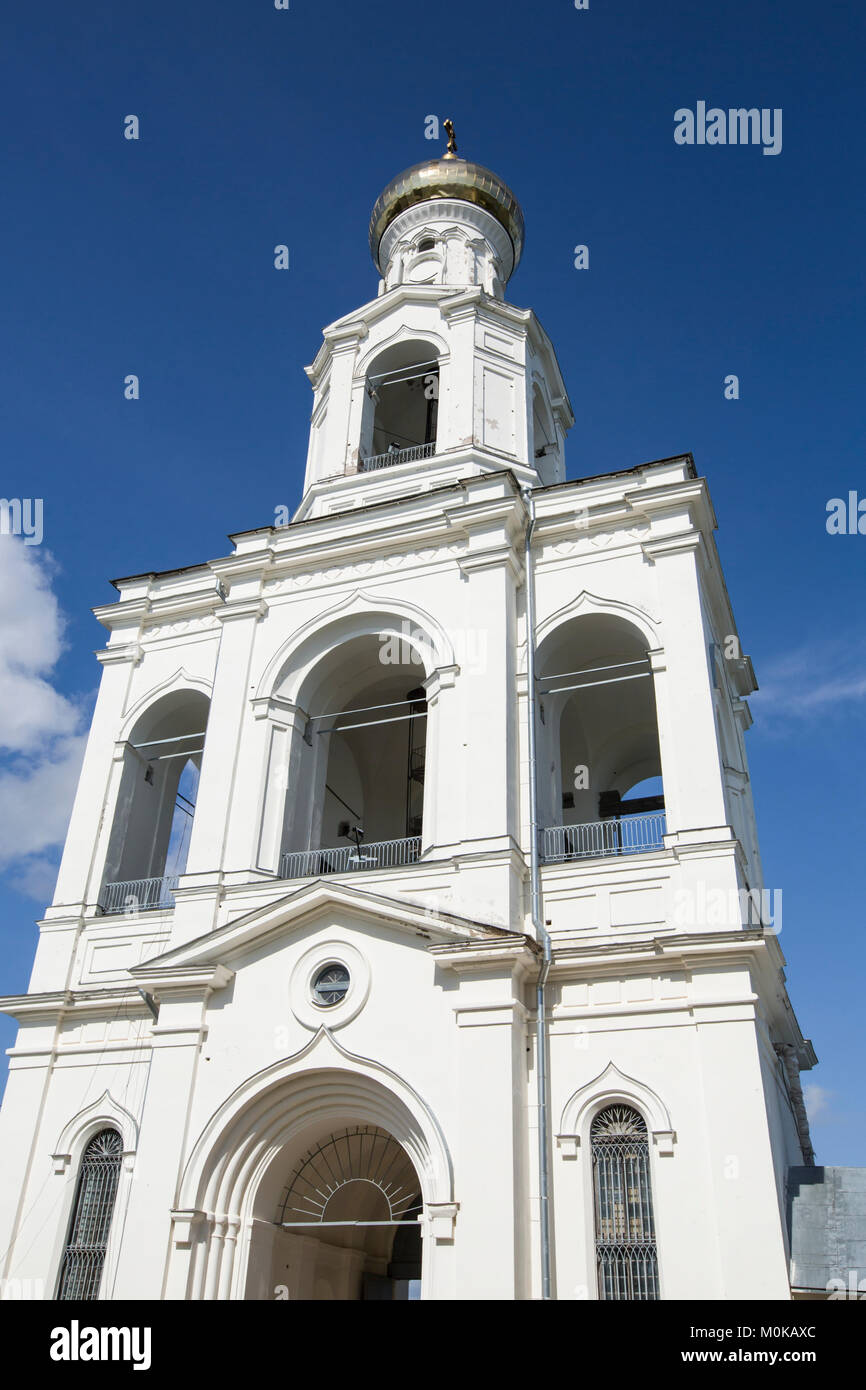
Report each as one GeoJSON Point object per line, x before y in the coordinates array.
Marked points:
{"type": "Point", "coordinates": [402, 407]}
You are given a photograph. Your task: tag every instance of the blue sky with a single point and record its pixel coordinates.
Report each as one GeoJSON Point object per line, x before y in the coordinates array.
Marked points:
{"type": "Point", "coordinates": [260, 127]}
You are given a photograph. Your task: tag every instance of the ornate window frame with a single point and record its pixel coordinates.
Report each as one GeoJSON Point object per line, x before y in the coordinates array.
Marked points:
{"type": "Point", "coordinates": [610, 1087]}
{"type": "Point", "coordinates": [104, 1113]}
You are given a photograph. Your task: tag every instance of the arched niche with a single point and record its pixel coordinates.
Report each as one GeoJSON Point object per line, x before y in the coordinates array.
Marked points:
{"type": "Point", "coordinates": [598, 734]}
{"type": "Point", "coordinates": [348, 704]}
{"type": "Point", "coordinates": [399, 421]}
{"type": "Point", "coordinates": [226, 1231]}
{"type": "Point", "coordinates": [161, 759]}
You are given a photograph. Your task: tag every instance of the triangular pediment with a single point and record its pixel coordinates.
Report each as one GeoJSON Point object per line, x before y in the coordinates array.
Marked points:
{"type": "Point", "coordinates": [294, 912]}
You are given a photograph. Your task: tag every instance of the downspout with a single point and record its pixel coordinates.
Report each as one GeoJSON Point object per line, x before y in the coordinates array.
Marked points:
{"type": "Point", "coordinates": [539, 928]}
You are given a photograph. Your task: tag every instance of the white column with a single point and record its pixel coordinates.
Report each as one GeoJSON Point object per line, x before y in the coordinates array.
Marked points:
{"type": "Point", "coordinates": [455, 427]}
{"type": "Point", "coordinates": [491, 1183]}
{"type": "Point", "coordinates": [339, 442]}
{"type": "Point", "coordinates": [444, 798]}
{"type": "Point", "coordinates": [276, 744]}
{"type": "Point", "coordinates": [80, 869]}
{"type": "Point", "coordinates": [216, 792]}
{"type": "Point", "coordinates": [164, 1131]}
{"type": "Point", "coordinates": [691, 764]}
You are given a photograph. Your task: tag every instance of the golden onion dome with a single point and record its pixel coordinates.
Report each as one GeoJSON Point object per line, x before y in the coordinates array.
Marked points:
{"type": "Point", "coordinates": [448, 177]}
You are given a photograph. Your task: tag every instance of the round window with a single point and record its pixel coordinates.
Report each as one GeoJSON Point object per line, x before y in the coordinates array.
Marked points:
{"type": "Point", "coordinates": [331, 985]}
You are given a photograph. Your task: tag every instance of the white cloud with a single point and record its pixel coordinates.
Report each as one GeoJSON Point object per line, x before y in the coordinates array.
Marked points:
{"type": "Point", "coordinates": [41, 730]}
{"type": "Point", "coordinates": [814, 679]}
{"type": "Point", "coordinates": [817, 1100]}
{"type": "Point", "coordinates": [36, 878]}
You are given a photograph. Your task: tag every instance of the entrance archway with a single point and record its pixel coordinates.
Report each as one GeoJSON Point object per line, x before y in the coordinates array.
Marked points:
{"type": "Point", "coordinates": [227, 1228]}
{"type": "Point", "coordinates": [349, 1220]}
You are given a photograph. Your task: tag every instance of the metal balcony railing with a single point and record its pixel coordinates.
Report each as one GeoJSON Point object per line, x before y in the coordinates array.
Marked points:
{"type": "Point", "coordinates": [139, 895]}
{"type": "Point", "coordinates": [622, 835]}
{"type": "Point", "coordinates": [394, 456]}
{"type": "Point", "coordinates": [347, 859]}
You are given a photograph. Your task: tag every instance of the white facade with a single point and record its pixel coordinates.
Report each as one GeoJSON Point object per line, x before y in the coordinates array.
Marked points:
{"type": "Point", "coordinates": [402, 574]}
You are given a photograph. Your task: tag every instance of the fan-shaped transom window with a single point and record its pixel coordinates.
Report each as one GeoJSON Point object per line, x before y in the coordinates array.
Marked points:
{"type": "Point", "coordinates": [84, 1256]}
{"type": "Point", "coordinates": [625, 1244]}
{"type": "Point", "coordinates": [359, 1176]}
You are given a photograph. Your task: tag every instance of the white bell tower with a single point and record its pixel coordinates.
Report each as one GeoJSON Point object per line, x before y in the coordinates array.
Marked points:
{"type": "Point", "coordinates": [410, 937]}
{"type": "Point", "coordinates": [438, 378]}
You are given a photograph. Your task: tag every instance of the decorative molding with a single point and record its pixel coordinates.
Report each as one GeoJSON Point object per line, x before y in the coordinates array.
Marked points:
{"type": "Point", "coordinates": [586, 602]}
{"type": "Point", "coordinates": [104, 1113]}
{"type": "Point", "coordinates": [185, 1227]}
{"type": "Point", "coordinates": [280, 710]}
{"type": "Point", "coordinates": [610, 1086]}
{"type": "Point", "coordinates": [114, 655]}
{"type": "Point", "coordinates": [242, 608]}
{"type": "Point", "coordinates": [381, 1097]}
{"type": "Point", "coordinates": [401, 334]}
{"type": "Point", "coordinates": [442, 1217]}
{"type": "Point", "coordinates": [365, 606]}
{"type": "Point", "coordinates": [311, 1015]}
{"type": "Point", "coordinates": [180, 679]}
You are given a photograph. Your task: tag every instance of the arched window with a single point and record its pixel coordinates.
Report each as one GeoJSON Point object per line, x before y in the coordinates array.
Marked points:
{"type": "Point", "coordinates": [625, 1244]}
{"type": "Point", "coordinates": [402, 406]}
{"type": "Point", "coordinates": [84, 1256]}
{"type": "Point", "coordinates": [599, 740]}
{"type": "Point", "coordinates": [355, 799]}
{"type": "Point", "coordinates": [155, 806]}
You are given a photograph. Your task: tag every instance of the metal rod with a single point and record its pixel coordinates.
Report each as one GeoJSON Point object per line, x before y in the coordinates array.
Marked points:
{"type": "Point", "coordinates": [363, 709]}
{"type": "Point", "coordinates": [342, 802]}
{"type": "Point", "coordinates": [587, 685]}
{"type": "Point", "coordinates": [179, 739]}
{"type": "Point", "coordinates": [395, 434]}
{"type": "Point", "coordinates": [536, 908]}
{"type": "Point", "coordinates": [414, 371]}
{"type": "Point", "coordinates": [368, 723]}
{"type": "Point", "coordinates": [162, 757]}
{"type": "Point", "coordinates": [316, 1225]}
{"type": "Point", "coordinates": [594, 670]}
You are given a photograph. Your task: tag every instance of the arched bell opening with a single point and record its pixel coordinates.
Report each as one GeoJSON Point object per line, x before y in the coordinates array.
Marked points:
{"type": "Point", "coordinates": [348, 1219]}
{"type": "Point", "coordinates": [155, 806]}
{"type": "Point", "coordinates": [600, 775]}
{"type": "Point", "coordinates": [401, 406]}
{"type": "Point", "coordinates": [545, 446]}
{"type": "Point", "coordinates": [355, 799]}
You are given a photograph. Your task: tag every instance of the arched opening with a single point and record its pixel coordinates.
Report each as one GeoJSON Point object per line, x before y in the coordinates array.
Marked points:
{"type": "Point", "coordinates": [600, 773]}
{"type": "Point", "coordinates": [348, 1220]}
{"type": "Point", "coordinates": [625, 1242]}
{"type": "Point", "coordinates": [545, 448]}
{"type": "Point", "coordinates": [401, 406]}
{"type": "Point", "coordinates": [355, 799]}
{"type": "Point", "coordinates": [155, 808]}
{"type": "Point", "coordinates": [92, 1210]}
{"type": "Point", "coordinates": [246, 1161]}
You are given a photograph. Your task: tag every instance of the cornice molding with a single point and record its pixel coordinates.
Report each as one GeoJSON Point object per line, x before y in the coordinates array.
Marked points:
{"type": "Point", "coordinates": [118, 654]}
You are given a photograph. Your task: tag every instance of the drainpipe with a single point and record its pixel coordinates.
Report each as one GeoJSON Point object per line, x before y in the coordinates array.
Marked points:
{"type": "Point", "coordinates": [541, 934]}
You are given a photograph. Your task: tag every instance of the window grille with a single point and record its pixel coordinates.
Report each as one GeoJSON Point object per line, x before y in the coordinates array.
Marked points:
{"type": "Point", "coordinates": [84, 1256]}
{"type": "Point", "coordinates": [625, 1244]}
